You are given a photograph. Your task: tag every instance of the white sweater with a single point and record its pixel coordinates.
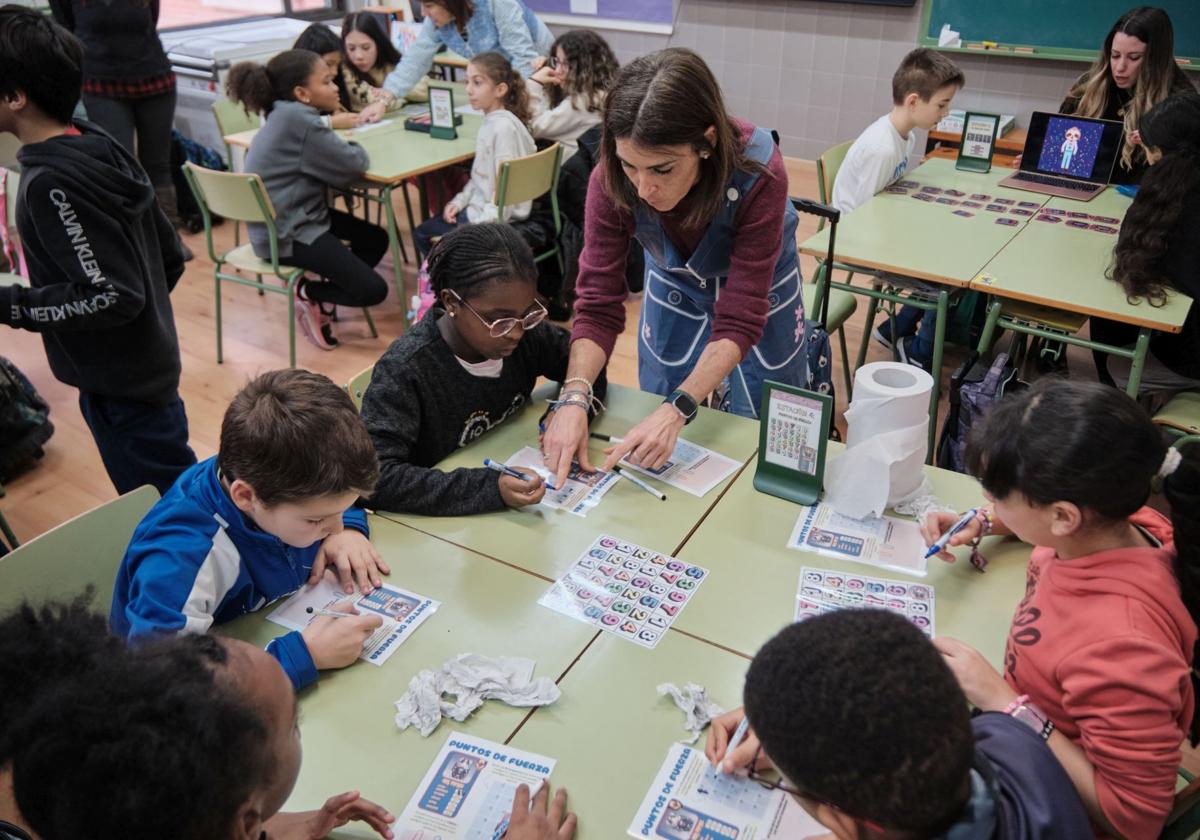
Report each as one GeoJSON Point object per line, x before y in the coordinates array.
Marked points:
{"type": "Point", "coordinates": [563, 123]}
{"type": "Point", "coordinates": [501, 137]}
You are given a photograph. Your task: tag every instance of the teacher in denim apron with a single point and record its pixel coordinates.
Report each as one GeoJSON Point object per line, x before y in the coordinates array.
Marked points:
{"type": "Point", "coordinates": [706, 196]}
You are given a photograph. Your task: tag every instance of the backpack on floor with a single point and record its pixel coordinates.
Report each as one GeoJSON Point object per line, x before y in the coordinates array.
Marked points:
{"type": "Point", "coordinates": [974, 389]}
{"type": "Point", "coordinates": [24, 421]}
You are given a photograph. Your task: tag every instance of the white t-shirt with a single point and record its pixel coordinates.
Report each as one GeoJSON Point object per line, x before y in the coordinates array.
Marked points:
{"type": "Point", "coordinates": [879, 157]}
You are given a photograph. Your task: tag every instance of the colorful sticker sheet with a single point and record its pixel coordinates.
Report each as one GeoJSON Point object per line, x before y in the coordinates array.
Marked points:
{"type": "Point", "coordinates": [1080, 220]}
{"type": "Point", "coordinates": [630, 591]}
{"type": "Point", "coordinates": [467, 793]}
{"type": "Point", "coordinates": [581, 492]}
{"type": "Point", "coordinates": [823, 590]}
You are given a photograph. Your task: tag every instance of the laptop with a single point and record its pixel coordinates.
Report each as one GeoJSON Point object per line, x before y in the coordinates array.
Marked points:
{"type": "Point", "coordinates": [1072, 157]}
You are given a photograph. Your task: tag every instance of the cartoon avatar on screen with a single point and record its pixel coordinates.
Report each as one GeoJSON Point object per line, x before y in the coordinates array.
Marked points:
{"type": "Point", "coordinates": [1069, 147]}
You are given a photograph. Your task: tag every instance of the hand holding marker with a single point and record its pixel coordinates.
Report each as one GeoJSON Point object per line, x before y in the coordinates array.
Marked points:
{"type": "Point", "coordinates": [619, 471]}
{"type": "Point", "coordinates": [944, 540]}
{"type": "Point", "coordinates": [509, 471]}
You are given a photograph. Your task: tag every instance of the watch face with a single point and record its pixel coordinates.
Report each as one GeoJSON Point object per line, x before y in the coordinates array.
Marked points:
{"type": "Point", "coordinates": [685, 404]}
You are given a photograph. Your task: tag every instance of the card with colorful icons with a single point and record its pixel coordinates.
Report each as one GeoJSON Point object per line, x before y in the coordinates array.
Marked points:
{"type": "Point", "coordinates": [1017, 211]}
{"type": "Point", "coordinates": [1045, 218]}
{"type": "Point", "coordinates": [1054, 211]}
{"type": "Point", "coordinates": [944, 200]}
{"type": "Point", "coordinates": [1007, 221]}
{"type": "Point", "coordinates": [966, 214]}
{"type": "Point", "coordinates": [1103, 229]}
{"type": "Point", "coordinates": [628, 590]}
{"type": "Point", "coordinates": [932, 190]}
{"type": "Point", "coordinates": [955, 193]}
{"type": "Point", "coordinates": [908, 184]}
{"type": "Point", "coordinates": [896, 190]}
{"type": "Point", "coordinates": [1074, 214]}
{"type": "Point", "coordinates": [1033, 205]}
{"type": "Point", "coordinates": [996, 208]}
{"type": "Point", "coordinates": [1075, 223]}
{"type": "Point", "coordinates": [1003, 201]}
{"type": "Point", "coordinates": [974, 205]}
{"type": "Point", "coordinates": [1105, 220]}
{"type": "Point", "coordinates": [922, 196]}
{"type": "Point", "coordinates": [981, 197]}
{"type": "Point", "coordinates": [823, 590]}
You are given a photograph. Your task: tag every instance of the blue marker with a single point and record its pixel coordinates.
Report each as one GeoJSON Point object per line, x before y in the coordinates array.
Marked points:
{"type": "Point", "coordinates": [509, 471]}
{"type": "Point", "coordinates": [941, 542]}
{"type": "Point", "coordinates": [739, 735]}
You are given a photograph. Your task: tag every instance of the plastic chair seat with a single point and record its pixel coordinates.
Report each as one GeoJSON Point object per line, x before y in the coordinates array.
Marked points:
{"type": "Point", "coordinates": [243, 258]}
{"type": "Point", "coordinates": [7, 279]}
{"type": "Point", "coordinates": [841, 306]}
{"type": "Point", "coordinates": [1181, 413]}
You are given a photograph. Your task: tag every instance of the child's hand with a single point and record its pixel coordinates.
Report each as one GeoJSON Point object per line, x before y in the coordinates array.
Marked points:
{"type": "Point", "coordinates": [983, 685]}
{"type": "Point", "coordinates": [538, 822]}
{"type": "Point", "coordinates": [354, 558]}
{"type": "Point", "coordinates": [720, 731]}
{"type": "Point", "coordinates": [938, 522]}
{"type": "Point", "coordinates": [545, 76]}
{"type": "Point", "coordinates": [517, 493]}
{"type": "Point", "coordinates": [337, 642]}
{"type": "Point", "coordinates": [539, 62]}
{"type": "Point", "coordinates": [346, 119]}
{"type": "Point", "coordinates": [337, 811]}
{"type": "Point", "coordinates": [450, 213]}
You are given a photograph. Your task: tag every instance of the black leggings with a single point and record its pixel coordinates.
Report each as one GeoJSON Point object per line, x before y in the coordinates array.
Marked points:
{"type": "Point", "coordinates": [150, 118]}
{"type": "Point", "coordinates": [351, 277]}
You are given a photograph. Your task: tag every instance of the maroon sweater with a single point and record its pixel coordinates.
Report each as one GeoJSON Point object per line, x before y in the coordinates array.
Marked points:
{"type": "Point", "coordinates": [741, 310]}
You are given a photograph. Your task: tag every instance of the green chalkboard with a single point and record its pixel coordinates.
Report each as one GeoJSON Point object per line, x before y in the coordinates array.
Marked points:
{"type": "Point", "coordinates": [1061, 29]}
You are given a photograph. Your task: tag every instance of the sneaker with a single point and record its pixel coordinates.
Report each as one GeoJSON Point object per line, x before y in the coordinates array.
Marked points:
{"type": "Point", "coordinates": [314, 324]}
{"type": "Point", "coordinates": [905, 350]}
{"type": "Point", "coordinates": [883, 334]}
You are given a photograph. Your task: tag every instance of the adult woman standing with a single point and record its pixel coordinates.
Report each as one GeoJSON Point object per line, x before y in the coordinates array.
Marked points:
{"type": "Point", "coordinates": [1135, 71]}
{"type": "Point", "coordinates": [128, 86]}
{"type": "Point", "coordinates": [706, 196]}
{"type": "Point", "coordinates": [468, 27]}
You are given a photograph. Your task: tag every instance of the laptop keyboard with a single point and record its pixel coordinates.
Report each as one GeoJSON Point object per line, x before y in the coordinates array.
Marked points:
{"type": "Point", "coordinates": [1054, 182]}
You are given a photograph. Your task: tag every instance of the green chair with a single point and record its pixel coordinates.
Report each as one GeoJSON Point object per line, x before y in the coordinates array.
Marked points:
{"type": "Point", "coordinates": [242, 197]}
{"type": "Point", "coordinates": [5, 530]}
{"type": "Point", "coordinates": [85, 550]}
{"type": "Point", "coordinates": [357, 386]}
{"type": "Point", "coordinates": [842, 304]}
{"type": "Point", "coordinates": [1181, 414]}
{"type": "Point", "coordinates": [526, 178]}
{"type": "Point", "coordinates": [1184, 820]}
{"type": "Point", "coordinates": [12, 182]}
{"type": "Point", "coordinates": [233, 118]}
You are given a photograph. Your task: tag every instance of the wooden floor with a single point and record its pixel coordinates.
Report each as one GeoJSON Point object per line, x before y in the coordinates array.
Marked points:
{"type": "Point", "coordinates": [71, 478]}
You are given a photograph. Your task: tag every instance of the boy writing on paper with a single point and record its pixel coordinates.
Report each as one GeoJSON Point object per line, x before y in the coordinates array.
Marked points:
{"type": "Point", "coordinates": [270, 512]}
{"type": "Point", "coordinates": [922, 88]}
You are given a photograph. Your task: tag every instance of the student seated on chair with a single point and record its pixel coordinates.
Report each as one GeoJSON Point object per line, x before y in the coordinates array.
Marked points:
{"type": "Point", "coordinates": [102, 260]}
{"type": "Point", "coordinates": [567, 91]}
{"type": "Point", "coordinates": [1104, 639]}
{"type": "Point", "coordinates": [871, 734]}
{"type": "Point", "coordinates": [922, 88]}
{"type": "Point", "coordinates": [273, 510]}
{"type": "Point", "coordinates": [299, 157]}
{"type": "Point", "coordinates": [496, 89]}
{"type": "Point", "coordinates": [468, 365]}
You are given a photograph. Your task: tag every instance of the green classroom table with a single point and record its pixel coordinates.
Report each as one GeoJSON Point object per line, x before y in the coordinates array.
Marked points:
{"type": "Point", "coordinates": [347, 718]}
{"type": "Point", "coordinates": [1063, 267]}
{"type": "Point", "coordinates": [545, 541]}
{"type": "Point", "coordinates": [610, 731]}
{"type": "Point", "coordinates": [751, 591]}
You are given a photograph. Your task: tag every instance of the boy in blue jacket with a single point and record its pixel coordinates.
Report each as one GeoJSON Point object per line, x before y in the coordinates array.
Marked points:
{"type": "Point", "coordinates": [271, 512]}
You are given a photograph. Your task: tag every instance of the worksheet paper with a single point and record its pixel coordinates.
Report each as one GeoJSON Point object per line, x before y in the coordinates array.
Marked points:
{"type": "Point", "coordinates": [582, 490]}
{"type": "Point", "coordinates": [467, 793]}
{"type": "Point", "coordinates": [689, 800]}
{"type": "Point", "coordinates": [402, 613]}
{"type": "Point", "coordinates": [882, 541]}
{"type": "Point", "coordinates": [824, 590]}
{"type": "Point", "coordinates": [691, 468]}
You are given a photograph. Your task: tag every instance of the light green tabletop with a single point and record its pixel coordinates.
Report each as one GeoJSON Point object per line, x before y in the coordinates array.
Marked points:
{"type": "Point", "coordinates": [347, 719]}
{"type": "Point", "coordinates": [611, 731]}
{"type": "Point", "coordinates": [546, 541]}
{"type": "Point", "coordinates": [751, 591]}
{"type": "Point", "coordinates": [1063, 267]}
{"type": "Point", "coordinates": [925, 240]}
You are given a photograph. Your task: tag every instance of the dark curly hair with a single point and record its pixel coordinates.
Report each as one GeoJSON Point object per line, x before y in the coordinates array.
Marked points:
{"type": "Point", "coordinates": [1173, 127]}
{"type": "Point", "coordinates": [258, 87]}
{"type": "Point", "coordinates": [591, 68]}
{"type": "Point", "coordinates": [858, 709]}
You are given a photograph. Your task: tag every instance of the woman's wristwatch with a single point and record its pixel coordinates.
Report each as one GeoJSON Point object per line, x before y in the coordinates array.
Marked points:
{"type": "Point", "coordinates": [682, 402]}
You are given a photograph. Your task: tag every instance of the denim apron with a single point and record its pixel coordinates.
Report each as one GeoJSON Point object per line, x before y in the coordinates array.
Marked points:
{"type": "Point", "coordinates": [678, 308]}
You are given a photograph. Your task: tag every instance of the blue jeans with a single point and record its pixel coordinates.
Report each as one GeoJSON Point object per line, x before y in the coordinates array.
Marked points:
{"type": "Point", "coordinates": [140, 443]}
{"type": "Point", "coordinates": [434, 227]}
{"type": "Point", "coordinates": [907, 324]}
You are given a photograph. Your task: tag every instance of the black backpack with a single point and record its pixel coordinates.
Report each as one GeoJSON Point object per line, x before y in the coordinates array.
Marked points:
{"type": "Point", "coordinates": [974, 388]}
{"type": "Point", "coordinates": [24, 421]}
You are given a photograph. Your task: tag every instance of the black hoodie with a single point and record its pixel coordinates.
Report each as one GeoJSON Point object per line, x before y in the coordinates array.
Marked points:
{"type": "Point", "coordinates": [102, 261]}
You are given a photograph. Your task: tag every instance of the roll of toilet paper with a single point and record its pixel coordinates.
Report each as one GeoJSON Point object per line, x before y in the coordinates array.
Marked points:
{"type": "Point", "coordinates": [886, 441]}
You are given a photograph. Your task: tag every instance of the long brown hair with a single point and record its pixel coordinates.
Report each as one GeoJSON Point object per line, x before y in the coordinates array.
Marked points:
{"type": "Point", "coordinates": [1173, 127]}
{"type": "Point", "coordinates": [591, 68]}
{"type": "Point", "coordinates": [497, 68]}
{"type": "Point", "coordinates": [1156, 76]}
{"type": "Point", "coordinates": [671, 98]}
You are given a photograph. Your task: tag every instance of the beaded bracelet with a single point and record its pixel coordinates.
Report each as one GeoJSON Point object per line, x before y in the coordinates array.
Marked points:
{"type": "Point", "coordinates": [586, 382]}
{"type": "Point", "coordinates": [985, 527]}
{"type": "Point", "coordinates": [1016, 704]}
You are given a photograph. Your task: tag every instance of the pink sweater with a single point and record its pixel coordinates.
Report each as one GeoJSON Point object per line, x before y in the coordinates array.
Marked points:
{"type": "Point", "coordinates": [1103, 645]}
{"type": "Point", "coordinates": [741, 311]}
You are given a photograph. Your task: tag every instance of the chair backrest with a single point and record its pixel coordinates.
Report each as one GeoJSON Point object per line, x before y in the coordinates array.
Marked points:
{"type": "Point", "coordinates": [828, 165]}
{"type": "Point", "coordinates": [526, 178]}
{"type": "Point", "coordinates": [85, 550]}
{"type": "Point", "coordinates": [232, 117]}
{"type": "Point", "coordinates": [357, 386]}
{"type": "Point", "coordinates": [241, 196]}
{"type": "Point", "coordinates": [12, 182]}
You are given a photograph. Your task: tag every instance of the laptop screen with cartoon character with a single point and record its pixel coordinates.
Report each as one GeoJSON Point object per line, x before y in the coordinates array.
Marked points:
{"type": "Point", "coordinates": [1074, 147]}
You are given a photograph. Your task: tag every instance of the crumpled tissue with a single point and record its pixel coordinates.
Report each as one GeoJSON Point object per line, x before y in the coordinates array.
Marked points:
{"type": "Point", "coordinates": [693, 701]}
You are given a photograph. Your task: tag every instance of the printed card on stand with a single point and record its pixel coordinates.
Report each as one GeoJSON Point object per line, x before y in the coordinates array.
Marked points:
{"type": "Point", "coordinates": [630, 591]}
{"type": "Point", "coordinates": [467, 793]}
{"type": "Point", "coordinates": [882, 541]}
{"type": "Point", "coordinates": [822, 590]}
{"type": "Point", "coordinates": [581, 492]}
{"type": "Point", "coordinates": [689, 800]}
{"type": "Point", "coordinates": [402, 613]}
{"type": "Point", "coordinates": [691, 468]}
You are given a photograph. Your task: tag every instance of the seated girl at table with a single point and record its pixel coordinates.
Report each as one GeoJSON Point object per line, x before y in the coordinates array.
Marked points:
{"type": "Point", "coordinates": [299, 157]}
{"type": "Point", "coordinates": [322, 40]}
{"type": "Point", "coordinates": [497, 90]}
{"type": "Point", "coordinates": [1101, 646]}
{"type": "Point", "coordinates": [367, 59]}
{"type": "Point", "coordinates": [1159, 247]}
{"type": "Point", "coordinates": [567, 91]}
{"type": "Point", "coordinates": [468, 365]}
